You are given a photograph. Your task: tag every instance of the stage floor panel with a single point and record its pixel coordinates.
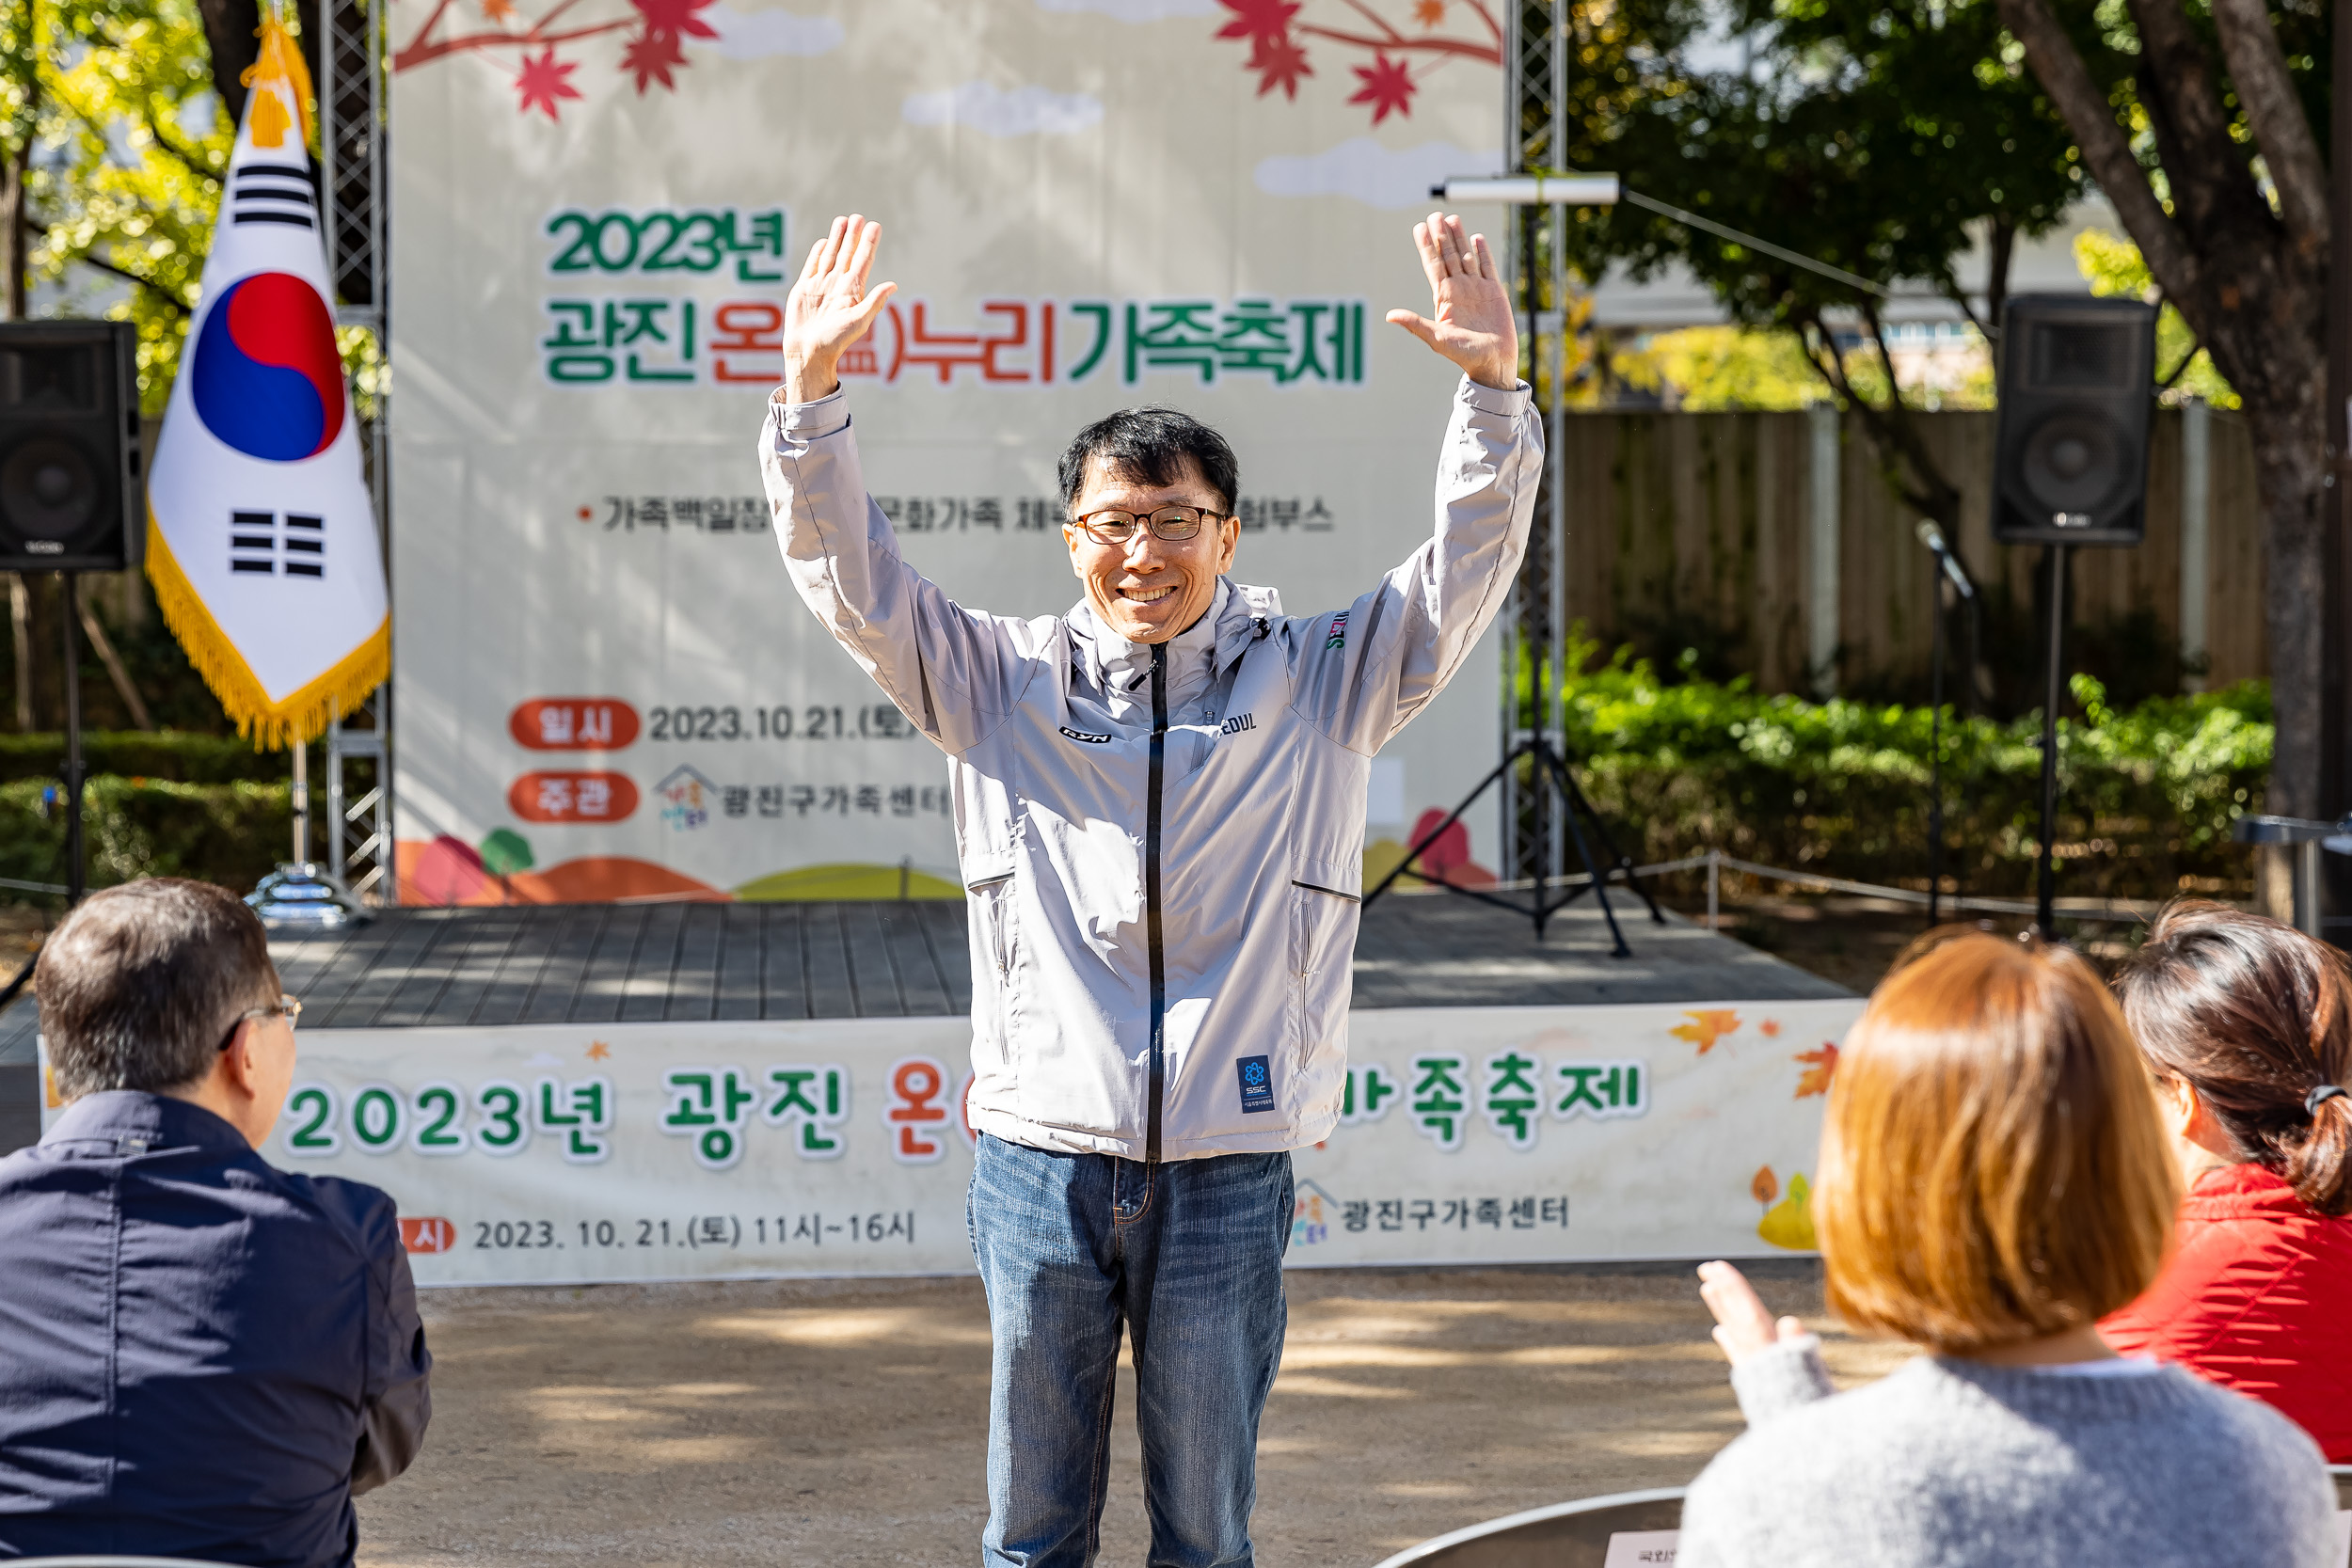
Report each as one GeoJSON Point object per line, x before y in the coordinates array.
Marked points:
{"type": "Point", "coordinates": [600, 964]}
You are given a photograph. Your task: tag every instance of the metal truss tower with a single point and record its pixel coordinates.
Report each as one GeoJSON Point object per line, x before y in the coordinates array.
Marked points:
{"type": "Point", "coordinates": [355, 184]}
{"type": "Point", "coordinates": [1536, 63]}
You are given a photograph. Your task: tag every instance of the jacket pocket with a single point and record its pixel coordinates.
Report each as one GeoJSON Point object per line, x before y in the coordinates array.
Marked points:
{"type": "Point", "coordinates": [991, 903]}
{"type": "Point", "coordinates": [1322, 949]}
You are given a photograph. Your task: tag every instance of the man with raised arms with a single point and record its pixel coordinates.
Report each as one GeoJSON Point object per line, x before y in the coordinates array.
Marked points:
{"type": "Point", "coordinates": [1160, 816]}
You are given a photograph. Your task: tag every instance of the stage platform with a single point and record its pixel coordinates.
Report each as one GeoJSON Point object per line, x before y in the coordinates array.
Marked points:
{"type": "Point", "coordinates": [582, 964]}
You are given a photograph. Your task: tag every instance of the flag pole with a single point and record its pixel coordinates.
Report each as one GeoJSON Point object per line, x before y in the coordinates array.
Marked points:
{"type": "Point", "coordinates": [301, 794]}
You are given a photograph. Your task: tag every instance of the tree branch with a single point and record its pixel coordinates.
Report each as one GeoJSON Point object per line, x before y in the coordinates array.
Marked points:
{"type": "Point", "coordinates": [186, 157]}
{"type": "Point", "coordinates": [2196, 347]}
{"type": "Point", "coordinates": [2207, 170]}
{"type": "Point", "coordinates": [2258, 70]}
{"type": "Point", "coordinates": [162, 291]}
{"type": "Point", "coordinates": [1933, 494]}
{"type": "Point", "coordinates": [2060, 69]}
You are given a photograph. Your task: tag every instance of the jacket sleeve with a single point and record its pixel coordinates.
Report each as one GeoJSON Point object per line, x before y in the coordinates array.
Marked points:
{"type": "Point", "coordinates": [1361, 674]}
{"type": "Point", "coordinates": [955, 673]}
{"type": "Point", "coordinates": [395, 1398]}
{"type": "Point", "coordinates": [1774, 1381]}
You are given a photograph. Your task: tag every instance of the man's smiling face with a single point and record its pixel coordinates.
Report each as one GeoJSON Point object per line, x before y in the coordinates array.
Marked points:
{"type": "Point", "coordinates": [1149, 589]}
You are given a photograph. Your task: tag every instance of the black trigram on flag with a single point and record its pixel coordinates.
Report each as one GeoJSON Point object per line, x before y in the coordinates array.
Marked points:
{"type": "Point", "coordinates": [273, 193]}
{"type": "Point", "coordinates": [257, 543]}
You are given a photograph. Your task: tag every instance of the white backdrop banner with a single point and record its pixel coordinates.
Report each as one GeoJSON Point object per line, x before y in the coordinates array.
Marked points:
{"type": "Point", "coordinates": [605, 686]}
{"type": "Point", "coordinates": [564, 1154]}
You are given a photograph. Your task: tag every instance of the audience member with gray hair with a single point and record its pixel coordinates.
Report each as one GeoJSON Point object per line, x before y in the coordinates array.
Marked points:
{"type": "Point", "coordinates": [201, 1356]}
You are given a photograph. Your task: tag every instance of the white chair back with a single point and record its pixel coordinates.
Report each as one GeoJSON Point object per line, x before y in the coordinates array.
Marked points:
{"type": "Point", "coordinates": [1566, 1535]}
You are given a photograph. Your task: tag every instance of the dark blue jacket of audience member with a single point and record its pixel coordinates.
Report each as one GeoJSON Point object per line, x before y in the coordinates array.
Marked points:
{"type": "Point", "coordinates": [201, 1356]}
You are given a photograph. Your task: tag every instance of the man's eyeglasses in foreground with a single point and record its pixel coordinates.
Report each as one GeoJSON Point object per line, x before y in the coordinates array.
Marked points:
{"type": "Point", "coordinates": [1173, 524]}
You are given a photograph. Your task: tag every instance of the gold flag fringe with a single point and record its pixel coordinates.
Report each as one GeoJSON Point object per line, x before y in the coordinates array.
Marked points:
{"type": "Point", "coordinates": [273, 726]}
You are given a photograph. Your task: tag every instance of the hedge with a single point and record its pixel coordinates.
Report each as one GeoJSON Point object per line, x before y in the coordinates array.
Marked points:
{"type": "Point", "coordinates": [179, 755]}
{"type": "Point", "coordinates": [1675, 764]}
{"type": "Point", "coordinates": [2147, 796]}
{"type": "Point", "coordinates": [232, 834]}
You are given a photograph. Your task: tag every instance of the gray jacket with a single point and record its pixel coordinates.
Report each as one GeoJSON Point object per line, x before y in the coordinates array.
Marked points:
{"type": "Point", "coordinates": [1163, 846]}
{"type": "Point", "coordinates": [1952, 1463]}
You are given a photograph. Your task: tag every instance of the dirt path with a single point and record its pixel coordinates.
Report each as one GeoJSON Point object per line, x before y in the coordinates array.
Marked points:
{"type": "Point", "coordinates": [842, 1423]}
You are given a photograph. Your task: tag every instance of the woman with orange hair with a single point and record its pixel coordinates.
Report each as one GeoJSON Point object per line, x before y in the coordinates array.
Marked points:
{"type": "Point", "coordinates": [1994, 1179]}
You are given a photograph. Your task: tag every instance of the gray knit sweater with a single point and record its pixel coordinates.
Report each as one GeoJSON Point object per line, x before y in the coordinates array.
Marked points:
{"type": "Point", "coordinates": [1950, 1463]}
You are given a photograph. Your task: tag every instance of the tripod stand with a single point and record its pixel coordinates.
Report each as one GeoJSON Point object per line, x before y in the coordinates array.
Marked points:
{"type": "Point", "coordinates": [1550, 767]}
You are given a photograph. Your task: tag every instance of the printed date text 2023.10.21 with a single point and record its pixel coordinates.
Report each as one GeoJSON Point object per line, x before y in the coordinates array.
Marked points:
{"type": "Point", "coordinates": [814, 721]}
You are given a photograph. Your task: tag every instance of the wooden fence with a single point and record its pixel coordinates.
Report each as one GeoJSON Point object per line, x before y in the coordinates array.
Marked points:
{"type": "Point", "coordinates": [1705, 523]}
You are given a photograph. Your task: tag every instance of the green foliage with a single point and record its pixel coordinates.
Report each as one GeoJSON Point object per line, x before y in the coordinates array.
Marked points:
{"type": "Point", "coordinates": [1871, 134]}
{"type": "Point", "coordinates": [142, 143]}
{"type": "Point", "coordinates": [231, 833]}
{"type": "Point", "coordinates": [2111, 265]}
{"type": "Point", "coordinates": [135, 140]}
{"type": "Point", "coordinates": [2147, 795]}
{"type": "Point", "coordinates": [174, 755]}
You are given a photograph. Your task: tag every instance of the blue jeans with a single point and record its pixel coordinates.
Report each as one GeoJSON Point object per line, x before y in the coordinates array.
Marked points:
{"type": "Point", "coordinates": [1189, 1255]}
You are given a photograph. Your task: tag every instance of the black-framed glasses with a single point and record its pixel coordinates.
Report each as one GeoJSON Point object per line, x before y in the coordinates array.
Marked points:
{"type": "Point", "coordinates": [287, 1007]}
{"type": "Point", "coordinates": [1173, 524]}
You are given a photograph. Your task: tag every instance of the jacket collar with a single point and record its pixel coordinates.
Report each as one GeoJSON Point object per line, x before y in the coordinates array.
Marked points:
{"type": "Point", "coordinates": [127, 1118]}
{"type": "Point", "coordinates": [1232, 624]}
{"type": "Point", "coordinates": [2231, 1192]}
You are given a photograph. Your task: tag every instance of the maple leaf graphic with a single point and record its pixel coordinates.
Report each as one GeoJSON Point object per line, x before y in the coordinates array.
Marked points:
{"type": "Point", "coordinates": [1280, 63]}
{"type": "Point", "coordinates": [499, 11]}
{"type": "Point", "coordinates": [1259, 21]}
{"type": "Point", "coordinates": [1707, 1027]}
{"type": "Point", "coordinates": [672, 17]}
{"type": "Point", "coordinates": [1814, 1079]}
{"type": "Point", "coordinates": [544, 80]}
{"type": "Point", "coordinates": [1429, 12]}
{"type": "Point", "coordinates": [1387, 86]}
{"type": "Point", "coordinates": [649, 57]}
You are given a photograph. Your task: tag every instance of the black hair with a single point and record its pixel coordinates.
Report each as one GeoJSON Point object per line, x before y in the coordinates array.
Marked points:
{"type": "Point", "coordinates": [141, 984]}
{"type": "Point", "coordinates": [1151, 446]}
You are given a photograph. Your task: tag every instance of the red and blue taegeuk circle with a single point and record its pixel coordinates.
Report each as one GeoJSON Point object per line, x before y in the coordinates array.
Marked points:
{"type": "Point", "coordinates": [268, 379]}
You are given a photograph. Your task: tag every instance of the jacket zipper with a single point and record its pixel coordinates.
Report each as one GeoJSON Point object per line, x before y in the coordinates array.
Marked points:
{"type": "Point", "coordinates": [1151, 899]}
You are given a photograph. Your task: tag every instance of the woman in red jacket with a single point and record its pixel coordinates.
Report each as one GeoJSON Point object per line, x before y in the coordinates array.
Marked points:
{"type": "Point", "coordinates": [2246, 1025]}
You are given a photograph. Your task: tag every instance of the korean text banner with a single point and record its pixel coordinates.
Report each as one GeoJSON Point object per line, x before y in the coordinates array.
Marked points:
{"type": "Point", "coordinates": [605, 686]}
{"type": "Point", "coordinates": [571, 1154]}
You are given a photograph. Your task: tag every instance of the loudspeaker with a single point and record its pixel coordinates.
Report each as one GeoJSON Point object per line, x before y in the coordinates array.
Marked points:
{"type": "Point", "coordinates": [2070, 443]}
{"type": "Point", "coordinates": [71, 495]}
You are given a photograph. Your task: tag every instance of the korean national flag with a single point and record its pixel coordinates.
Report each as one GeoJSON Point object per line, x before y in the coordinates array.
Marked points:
{"type": "Point", "coordinates": [260, 539]}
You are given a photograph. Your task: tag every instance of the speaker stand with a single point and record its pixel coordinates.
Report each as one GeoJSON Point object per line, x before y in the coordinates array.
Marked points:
{"type": "Point", "coordinates": [75, 875]}
{"type": "Point", "coordinates": [2045, 864]}
{"type": "Point", "coordinates": [1549, 768]}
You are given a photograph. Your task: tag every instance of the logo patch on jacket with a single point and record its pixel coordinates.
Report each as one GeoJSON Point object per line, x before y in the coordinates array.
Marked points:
{"type": "Point", "coordinates": [1339, 633]}
{"type": "Point", "coordinates": [1237, 723]}
{"type": "Point", "coordinates": [1081, 735]}
{"type": "Point", "coordinates": [1257, 1085]}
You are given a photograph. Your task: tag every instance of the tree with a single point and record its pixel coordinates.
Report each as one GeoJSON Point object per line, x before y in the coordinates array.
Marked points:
{"type": "Point", "coordinates": [2216, 171]}
{"type": "Point", "coordinates": [138, 122]}
{"type": "Point", "coordinates": [1882, 137]}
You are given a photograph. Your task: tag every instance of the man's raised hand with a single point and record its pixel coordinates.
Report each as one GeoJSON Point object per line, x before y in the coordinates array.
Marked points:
{"type": "Point", "coordinates": [830, 307]}
{"type": "Point", "coordinates": [1474, 327]}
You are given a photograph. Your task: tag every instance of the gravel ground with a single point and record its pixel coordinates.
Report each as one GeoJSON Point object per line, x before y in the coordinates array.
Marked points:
{"type": "Point", "coordinates": [842, 1423]}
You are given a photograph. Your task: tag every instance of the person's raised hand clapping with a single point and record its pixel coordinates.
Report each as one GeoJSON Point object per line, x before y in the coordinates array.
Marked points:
{"type": "Point", "coordinates": [830, 307]}
{"type": "Point", "coordinates": [1744, 1325]}
{"type": "Point", "coordinates": [1474, 326]}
